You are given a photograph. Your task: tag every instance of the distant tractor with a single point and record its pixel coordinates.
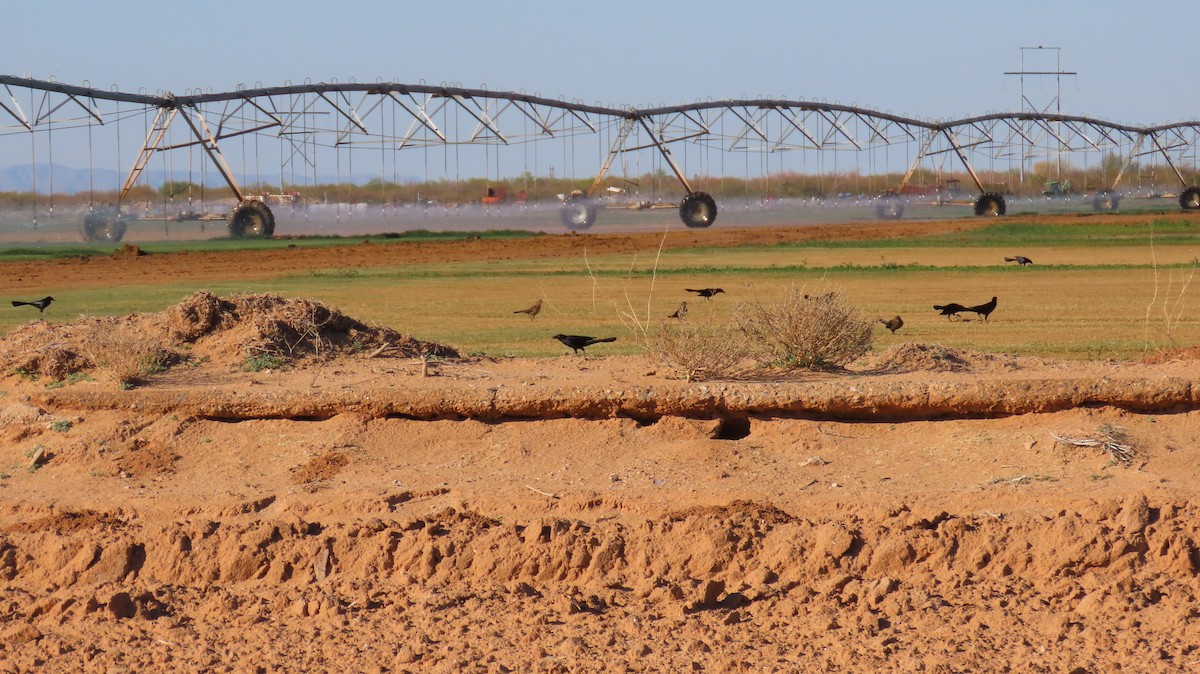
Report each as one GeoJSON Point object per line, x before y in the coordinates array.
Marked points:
{"type": "Point", "coordinates": [495, 196]}
{"type": "Point", "coordinates": [1057, 190]}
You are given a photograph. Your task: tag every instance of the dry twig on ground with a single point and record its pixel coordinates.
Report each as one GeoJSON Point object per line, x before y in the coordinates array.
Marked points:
{"type": "Point", "coordinates": [1112, 440]}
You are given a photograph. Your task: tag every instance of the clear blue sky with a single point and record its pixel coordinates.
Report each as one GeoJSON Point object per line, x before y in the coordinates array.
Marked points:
{"type": "Point", "coordinates": [928, 59]}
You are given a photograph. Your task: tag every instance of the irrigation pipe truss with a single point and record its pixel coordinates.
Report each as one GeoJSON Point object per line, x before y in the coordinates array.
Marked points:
{"type": "Point", "coordinates": [383, 115]}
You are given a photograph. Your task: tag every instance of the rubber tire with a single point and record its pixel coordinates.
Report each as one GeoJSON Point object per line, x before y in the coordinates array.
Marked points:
{"type": "Point", "coordinates": [990, 203]}
{"type": "Point", "coordinates": [251, 218]}
{"type": "Point", "coordinates": [1106, 200]}
{"type": "Point", "coordinates": [102, 226]}
{"type": "Point", "coordinates": [889, 206]}
{"type": "Point", "coordinates": [1190, 199]}
{"type": "Point", "coordinates": [698, 210]}
{"type": "Point", "coordinates": [578, 213]}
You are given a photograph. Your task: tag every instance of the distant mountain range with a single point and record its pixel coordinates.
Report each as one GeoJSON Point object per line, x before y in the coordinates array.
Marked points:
{"type": "Point", "coordinates": [67, 180]}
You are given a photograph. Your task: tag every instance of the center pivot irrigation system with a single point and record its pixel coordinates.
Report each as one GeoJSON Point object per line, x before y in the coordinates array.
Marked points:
{"type": "Point", "coordinates": [384, 119]}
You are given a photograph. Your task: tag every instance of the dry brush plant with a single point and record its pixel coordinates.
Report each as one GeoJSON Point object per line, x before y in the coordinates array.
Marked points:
{"type": "Point", "coordinates": [700, 352]}
{"type": "Point", "coordinates": [1171, 308]}
{"type": "Point", "coordinates": [809, 329]}
{"type": "Point", "coordinates": [127, 353]}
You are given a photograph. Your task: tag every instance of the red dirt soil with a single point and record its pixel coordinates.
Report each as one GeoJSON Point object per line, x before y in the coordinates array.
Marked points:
{"type": "Point", "coordinates": [204, 266]}
{"type": "Point", "coordinates": [929, 510]}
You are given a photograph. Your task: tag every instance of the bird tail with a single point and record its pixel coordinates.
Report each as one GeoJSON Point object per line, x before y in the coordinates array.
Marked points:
{"type": "Point", "coordinates": [604, 339]}
{"type": "Point", "coordinates": [1010, 259]}
{"type": "Point", "coordinates": [939, 307]}
{"type": "Point", "coordinates": [19, 304]}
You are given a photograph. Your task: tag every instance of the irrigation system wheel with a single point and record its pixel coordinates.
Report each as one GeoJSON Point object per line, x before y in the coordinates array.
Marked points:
{"type": "Point", "coordinates": [990, 203]}
{"type": "Point", "coordinates": [1106, 200]}
{"type": "Point", "coordinates": [578, 213]}
{"type": "Point", "coordinates": [889, 206]}
{"type": "Point", "coordinates": [251, 218]}
{"type": "Point", "coordinates": [103, 224]}
{"type": "Point", "coordinates": [1189, 200]}
{"type": "Point", "coordinates": [698, 210]}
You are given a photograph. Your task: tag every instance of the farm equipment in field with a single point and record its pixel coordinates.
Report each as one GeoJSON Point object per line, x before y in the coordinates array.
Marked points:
{"type": "Point", "coordinates": [495, 196]}
{"type": "Point", "coordinates": [1057, 190]}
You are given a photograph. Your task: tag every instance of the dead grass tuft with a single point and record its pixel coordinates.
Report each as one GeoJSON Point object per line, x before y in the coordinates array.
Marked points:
{"type": "Point", "coordinates": [127, 353]}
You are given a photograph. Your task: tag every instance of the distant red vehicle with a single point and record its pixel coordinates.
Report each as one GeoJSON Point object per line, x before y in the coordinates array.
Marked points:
{"type": "Point", "coordinates": [495, 195]}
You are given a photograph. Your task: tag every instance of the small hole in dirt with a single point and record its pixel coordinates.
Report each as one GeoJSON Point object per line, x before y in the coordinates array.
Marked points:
{"type": "Point", "coordinates": [732, 428]}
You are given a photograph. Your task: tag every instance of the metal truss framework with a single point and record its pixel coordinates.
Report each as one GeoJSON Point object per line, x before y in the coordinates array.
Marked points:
{"type": "Point", "coordinates": [401, 116]}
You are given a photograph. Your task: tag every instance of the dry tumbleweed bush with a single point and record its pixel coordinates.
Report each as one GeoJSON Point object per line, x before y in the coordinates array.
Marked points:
{"type": "Point", "coordinates": [811, 330]}
{"type": "Point", "coordinates": [700, 352]}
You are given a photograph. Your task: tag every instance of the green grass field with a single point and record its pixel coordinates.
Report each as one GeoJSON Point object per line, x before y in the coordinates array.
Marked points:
{"type": "Point", "coordinates": [1095, 291]}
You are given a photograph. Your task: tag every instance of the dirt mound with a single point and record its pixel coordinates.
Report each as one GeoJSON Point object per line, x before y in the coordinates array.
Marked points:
{"type": "Point", "coordinates": [203, 326]}
{"type": "Point", "coordinates": [913, 357]}
{"type": "Point", "coordinates": [242, 325]}
{"type": "Point", "coordinates": [1171, 355]}
{"type": "Point", "coordinates": [129, 250]}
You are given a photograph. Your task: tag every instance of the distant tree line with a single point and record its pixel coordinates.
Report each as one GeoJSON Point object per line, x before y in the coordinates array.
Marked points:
{"type": "Point", "coordinates": [655, 186]}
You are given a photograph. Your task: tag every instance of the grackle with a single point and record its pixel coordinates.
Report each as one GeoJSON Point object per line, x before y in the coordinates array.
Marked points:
{"type": "Point", "coordinates": [580, 342]}
{"type": "Point", "coordinates": [40, 304]}
{"type": "Point", "coordinates": [706, 293]}
{"type": "Point", "coordinates": [983, 309]}
{"type": "Point", "coordinates": [949, 310]}
{"type": "Point", "coordinates": [532, 311]}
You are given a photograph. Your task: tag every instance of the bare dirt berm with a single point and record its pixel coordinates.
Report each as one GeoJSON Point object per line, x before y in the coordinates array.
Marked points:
{"type": "Point", "coordinates": [259, 484]}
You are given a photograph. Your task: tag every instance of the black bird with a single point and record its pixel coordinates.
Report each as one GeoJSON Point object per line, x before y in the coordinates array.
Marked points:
{"type": "Point", "coordinates": [1019, 259]}
{"type": "Point", "coordinates": [949, 310]}
{"type": "Point", "coordinates": [680, 312]}
{"type": "Point", "coordinates": [40, 304]}
{"type": "Point", "coordinates": [893, 324]}
{"type": "Point", "coordinates": [706, 293]}
{"type": "Point", "coordinates": [532, 311]}
{"type": "Point", "coordinates": [983, 309]}
{"type": "Point", "coordinates": [580, 342]}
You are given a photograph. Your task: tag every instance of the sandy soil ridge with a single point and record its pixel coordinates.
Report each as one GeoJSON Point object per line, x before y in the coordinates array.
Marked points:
{"type": "Point", "coordinates": [345, 513]}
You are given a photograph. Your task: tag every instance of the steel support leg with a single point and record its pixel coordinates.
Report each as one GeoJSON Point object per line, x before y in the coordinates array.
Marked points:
{"type": "Point", "coordinates": [963, 158]}
{"type": "Point", "coordinates": [916, 162]}
{"type": "Point", "coordinates": [1128, 160]}
{"type": "Point", "coordinates": [666, 153]}
{"type": "Point", "coordinates": [209, 143]}
{"type": "Point", "coordinates": [162, 122]}
{"type": "Point", "coordinates": [617, 146]}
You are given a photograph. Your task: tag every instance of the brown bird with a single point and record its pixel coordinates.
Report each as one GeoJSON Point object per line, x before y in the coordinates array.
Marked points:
{"type": "Point", "coordinates": [580, 342]}
{"type": "Point", "coordinates": [40, 304]}
{"type": "Point", "coordinates": [532, 311]}
{"type": "Point", "coordinates": [706, 293]}
{"type": "Point", "coordinates": [983, 309]}
{"type": "Point", "coordinates": [681, 312]}
{"type": "Point", "coordinates": [1019, 259]}
{"type": "Point", "coordinates": [893, 324]}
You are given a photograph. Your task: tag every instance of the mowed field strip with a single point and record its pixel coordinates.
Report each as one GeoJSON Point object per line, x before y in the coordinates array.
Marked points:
{"type": "Point", "coordinates": [1096, 289]}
